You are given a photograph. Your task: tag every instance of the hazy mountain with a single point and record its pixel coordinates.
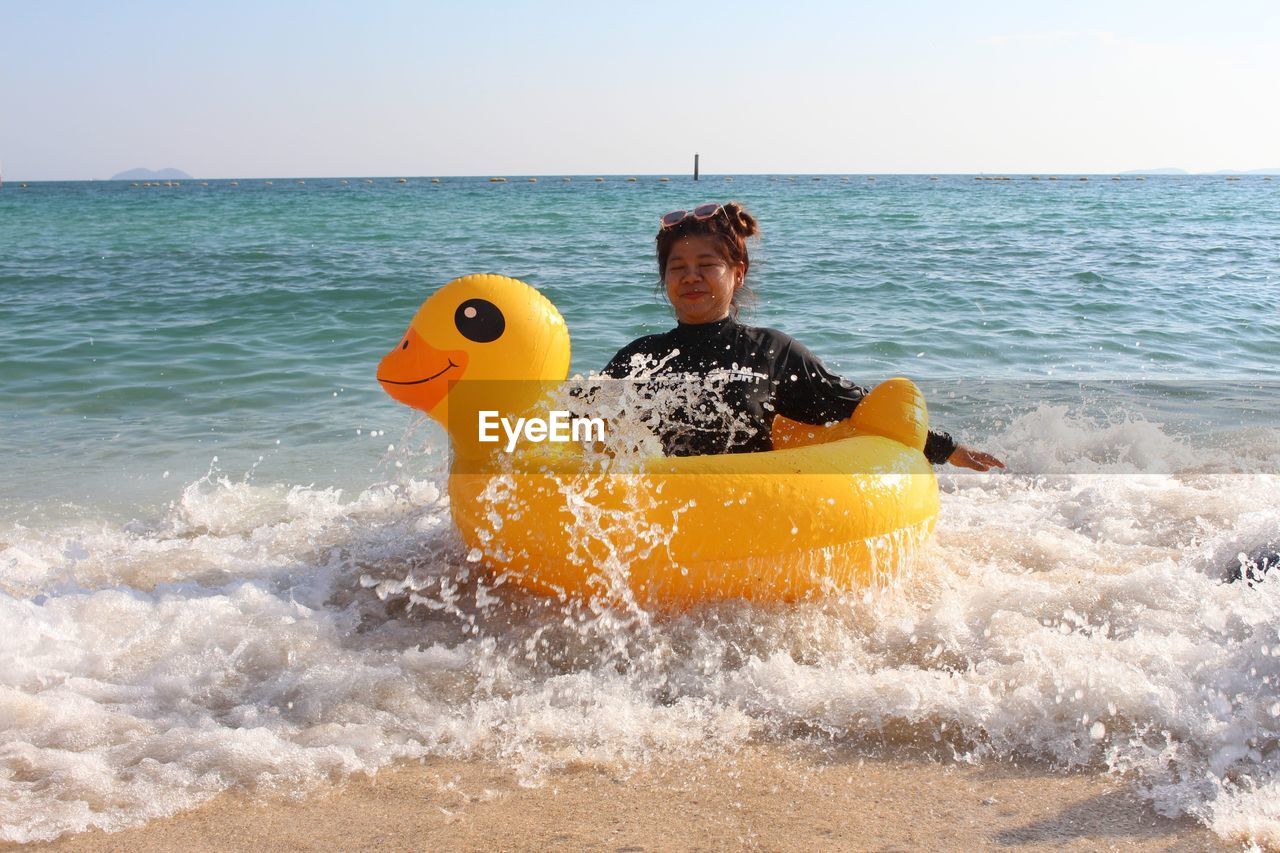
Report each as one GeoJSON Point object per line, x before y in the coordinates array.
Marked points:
{"type": "Point", "coordinates": [148, 175]}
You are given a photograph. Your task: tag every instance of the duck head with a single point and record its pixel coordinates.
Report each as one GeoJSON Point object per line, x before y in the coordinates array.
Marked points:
{"type": "Point", "coordinates": [481, 342]}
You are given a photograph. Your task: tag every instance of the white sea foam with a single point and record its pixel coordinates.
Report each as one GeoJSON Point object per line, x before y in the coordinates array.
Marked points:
{"type": "Point", "coordinates": [271, 638]}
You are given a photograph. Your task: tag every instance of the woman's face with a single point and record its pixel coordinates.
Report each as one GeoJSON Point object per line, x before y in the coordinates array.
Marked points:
{"type": "Point", "coordinates": [700, 282]}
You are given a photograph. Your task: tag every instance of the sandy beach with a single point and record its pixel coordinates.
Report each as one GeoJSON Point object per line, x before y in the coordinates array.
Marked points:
{"type": "Point", "coordinates": [760, 798]}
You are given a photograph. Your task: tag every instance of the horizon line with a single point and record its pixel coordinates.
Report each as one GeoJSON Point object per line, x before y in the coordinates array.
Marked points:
{"type": "Point", "coordinates": [670, 175]}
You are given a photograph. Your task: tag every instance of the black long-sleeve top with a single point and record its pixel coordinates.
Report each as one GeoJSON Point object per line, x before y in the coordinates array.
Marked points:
{"type": "Point", "coordinates": [746, 377]}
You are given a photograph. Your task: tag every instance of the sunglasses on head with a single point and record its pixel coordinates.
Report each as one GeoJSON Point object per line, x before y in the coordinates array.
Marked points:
{"type": "Point", "coordinates": [702, 211]}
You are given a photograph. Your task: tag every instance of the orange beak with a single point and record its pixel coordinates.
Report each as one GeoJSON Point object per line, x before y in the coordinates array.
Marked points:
{"type": "Point", "coordinates": [419, 375]}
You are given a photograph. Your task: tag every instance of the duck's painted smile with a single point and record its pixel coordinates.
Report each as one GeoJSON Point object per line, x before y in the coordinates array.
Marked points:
{"type": "Point", "coordinates": [420, 381]}
{"type": "Point", "coordinates": [411, 360]}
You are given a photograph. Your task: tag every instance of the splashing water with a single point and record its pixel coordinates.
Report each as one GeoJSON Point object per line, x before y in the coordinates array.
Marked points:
{"type": "Point", "coordinates": [273, 638]}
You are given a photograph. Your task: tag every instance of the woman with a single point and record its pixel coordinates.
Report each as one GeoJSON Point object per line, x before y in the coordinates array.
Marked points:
{"type": "Point", "coordinates": [743, 376]}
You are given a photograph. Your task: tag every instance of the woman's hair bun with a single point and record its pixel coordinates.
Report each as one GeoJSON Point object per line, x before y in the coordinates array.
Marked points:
{"type": "Point", "coordinates": [741, 221]}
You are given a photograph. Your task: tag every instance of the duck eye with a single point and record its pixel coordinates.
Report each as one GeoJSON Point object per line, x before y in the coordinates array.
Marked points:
{"type": "Point", "coordinates": [479, 320]}
{"type": "Point", "coordinates": [405, 345]}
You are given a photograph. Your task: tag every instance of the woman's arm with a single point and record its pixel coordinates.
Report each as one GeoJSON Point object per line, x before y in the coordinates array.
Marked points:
{"type": "Point", "coordinates": [968, 457]}
{"type": "Point", "coordinates": [806, 391]}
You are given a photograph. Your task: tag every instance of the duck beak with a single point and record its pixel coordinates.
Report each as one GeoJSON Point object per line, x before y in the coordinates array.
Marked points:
{"type": "Point", "coordinates": [419, 375]}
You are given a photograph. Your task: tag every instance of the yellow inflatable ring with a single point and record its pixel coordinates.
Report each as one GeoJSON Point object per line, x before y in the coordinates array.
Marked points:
{"type": "Point", "coordinates": [832, 508]}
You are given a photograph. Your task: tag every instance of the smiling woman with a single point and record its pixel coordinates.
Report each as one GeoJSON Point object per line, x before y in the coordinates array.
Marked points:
{"type": "Point", "coordinates": [744, 377]}
{"type": "Point", "coordinates": [701, 285]}
{"type": "Point", "coordinates": [705, 274]}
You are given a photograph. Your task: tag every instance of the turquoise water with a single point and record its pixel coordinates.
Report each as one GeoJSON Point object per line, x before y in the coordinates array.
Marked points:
{"type": "Point", "coordinates": [152, 329]}
{"type": "Point", "coordinates": [227, 559]}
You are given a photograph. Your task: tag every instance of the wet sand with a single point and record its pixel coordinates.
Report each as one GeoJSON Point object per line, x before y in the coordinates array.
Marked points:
{"type": "Point", "coordinates": [761, 798]}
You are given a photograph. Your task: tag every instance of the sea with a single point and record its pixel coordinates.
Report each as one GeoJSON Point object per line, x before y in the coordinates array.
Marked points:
{"type": "Point", "coordinates": [227, 560]}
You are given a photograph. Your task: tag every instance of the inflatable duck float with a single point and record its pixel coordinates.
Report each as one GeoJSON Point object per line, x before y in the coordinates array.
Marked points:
{"type": "Point", "coordinates": [830, 508]}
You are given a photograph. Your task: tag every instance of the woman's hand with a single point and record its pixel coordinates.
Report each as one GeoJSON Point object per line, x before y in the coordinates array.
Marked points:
{"type": "Point", "coordinates": [967, 457]}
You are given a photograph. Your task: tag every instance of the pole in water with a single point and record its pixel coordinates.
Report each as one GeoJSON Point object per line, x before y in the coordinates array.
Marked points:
{"type": "Point", "coordinates": [695, 167]}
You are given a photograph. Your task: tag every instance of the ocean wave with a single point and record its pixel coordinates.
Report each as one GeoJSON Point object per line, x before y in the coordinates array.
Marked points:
{"type": "Point", "coordinates": [271, 638]}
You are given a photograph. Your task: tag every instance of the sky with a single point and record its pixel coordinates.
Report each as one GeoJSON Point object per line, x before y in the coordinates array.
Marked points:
{"type": "Point", "coordinates": [314, 89]}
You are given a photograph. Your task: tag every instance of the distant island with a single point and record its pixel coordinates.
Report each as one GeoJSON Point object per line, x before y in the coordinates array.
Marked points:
{"type": "Point", "coordinates": [149, 175]}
